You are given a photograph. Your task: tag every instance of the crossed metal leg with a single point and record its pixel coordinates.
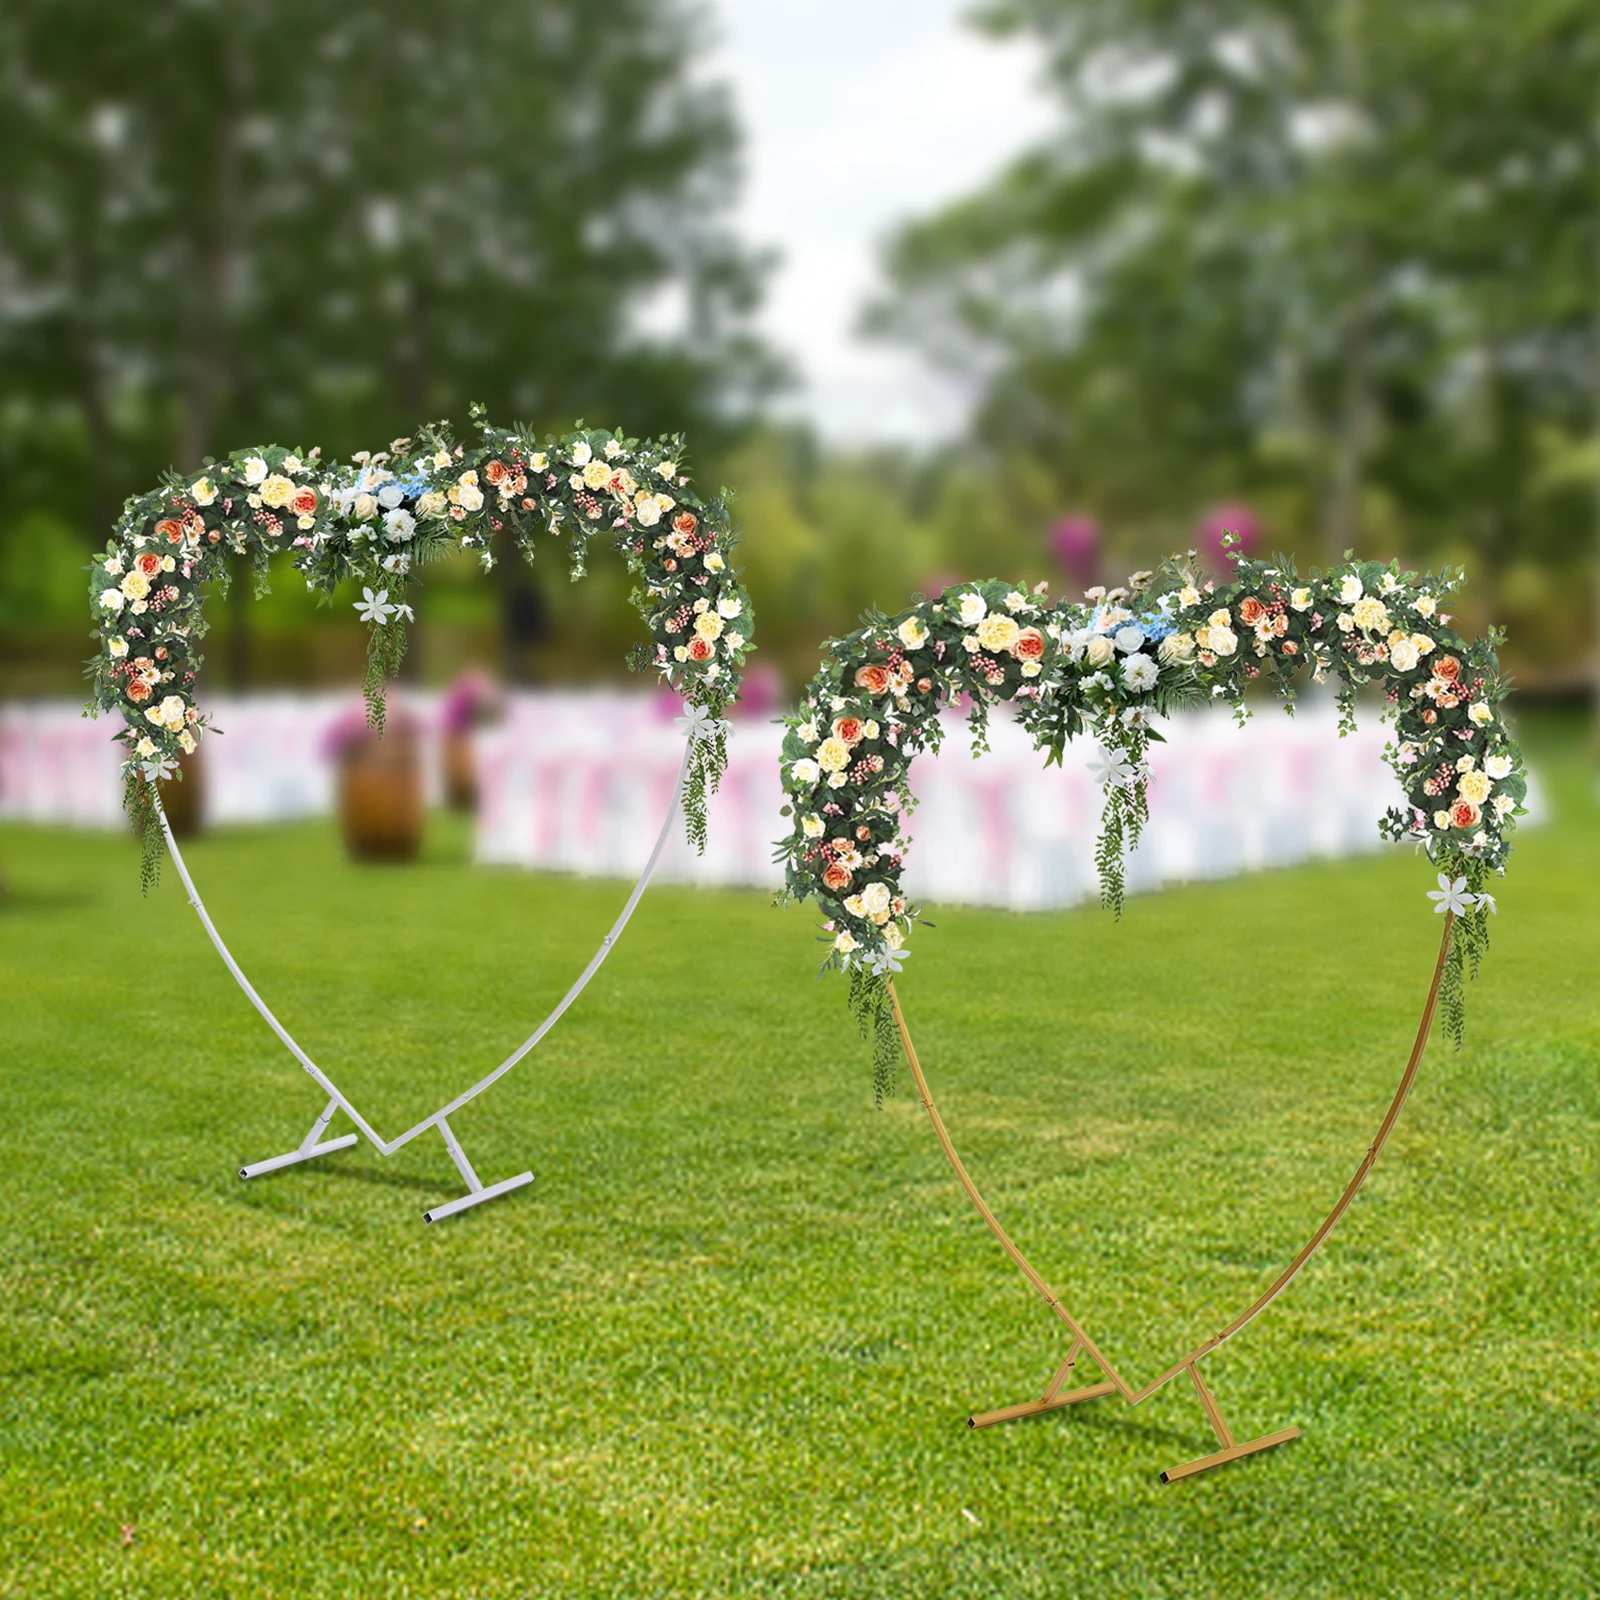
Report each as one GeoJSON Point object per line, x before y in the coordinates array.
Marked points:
{"type": "Point", "coordinates": [310, 1146]}
{"type": "Point", "coordinates": [1053, 1399]}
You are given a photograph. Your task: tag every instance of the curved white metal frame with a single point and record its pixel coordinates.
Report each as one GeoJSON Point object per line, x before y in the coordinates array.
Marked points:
{"type": "Point", "coordinates": [313, 1144]}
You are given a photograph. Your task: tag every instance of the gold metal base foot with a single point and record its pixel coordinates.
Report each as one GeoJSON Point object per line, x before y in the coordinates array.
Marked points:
{"type": "Point", "coordinates": [1232, 1453]}
{"type": "Point", "coordinates": [1033, 1408]}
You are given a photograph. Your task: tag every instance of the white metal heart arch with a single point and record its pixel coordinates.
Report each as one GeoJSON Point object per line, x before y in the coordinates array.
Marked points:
{"type": "Point", "coordinates": [314, 1144]}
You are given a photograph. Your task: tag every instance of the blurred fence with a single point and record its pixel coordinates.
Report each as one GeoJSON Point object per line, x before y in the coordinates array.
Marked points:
{"type": "Point", "coordinates": [562, 790]}
{"type": "Point", "coordinates": [579, 782]}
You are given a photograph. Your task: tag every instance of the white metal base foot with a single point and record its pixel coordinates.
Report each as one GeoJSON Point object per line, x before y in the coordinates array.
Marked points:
{"type": "Point", "coordinates": [476, 1198]}
{"type": "Point", "coordinates": [307, 1148]}
{"type": "Point", "coordinates": [256, 1168]}
{"type": "Point", "coordinates": [478, 1193]}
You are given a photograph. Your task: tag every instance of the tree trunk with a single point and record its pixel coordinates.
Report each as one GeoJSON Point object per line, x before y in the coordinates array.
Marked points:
{"type": "Point", "coordinates": [207, 363]}
{"type": "Point", "coordinates": [1348, 477]}
{"type": "Point", "coordinates": [1342, 530]}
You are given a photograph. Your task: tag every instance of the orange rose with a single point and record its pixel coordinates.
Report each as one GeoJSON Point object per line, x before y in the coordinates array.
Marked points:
{"type": "Point", "coordinates": [1464, 814]}
{"type": "Point", "coordinates": [304, 503]}
{"type": "Point", "coordinates": [848, 729]}
{"type": "Point", "coordinates": [836, 877]}
{"type": "Point", "coordinates": [1029, 645]}
{"type": "Point", "coordinates": [138, 691]}
{"type": "Point", "coordinates": [700, 649]}
{"type": "Point", "coordinates": [873, 679]}
{"type": "Point", "coordinates": [1448, 668]}
{"type": "Point", "coordinates": [1251, 611]}
{"type": "Point", "coordinates": [495, 472]}
{"type": "Point", "coordinates": [170, 529]}
{"type": "Point", "coordinates": [685, 522]}
{"type": "Point", "coordinates": [149, 564]}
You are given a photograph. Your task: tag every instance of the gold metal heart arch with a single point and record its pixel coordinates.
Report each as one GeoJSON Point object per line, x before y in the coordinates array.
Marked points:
{"type": "Point", "coordinates": [1110, 666]}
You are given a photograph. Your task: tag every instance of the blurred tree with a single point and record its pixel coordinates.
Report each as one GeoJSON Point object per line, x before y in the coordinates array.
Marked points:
{"type": "Point", "coordinates": [224, 221]}
{"type": "Point", "coordinates": [1339, 256]}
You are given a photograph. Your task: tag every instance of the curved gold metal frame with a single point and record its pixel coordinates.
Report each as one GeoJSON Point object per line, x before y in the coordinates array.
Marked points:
{"type": "Point", "coordinates": [1054, 1397]}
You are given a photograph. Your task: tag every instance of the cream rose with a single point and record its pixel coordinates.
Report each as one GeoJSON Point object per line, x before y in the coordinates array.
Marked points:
{"type": "Point", "coordinates": [1224, 641]}
{"type": "Point", "coordinates": [1425, 605]}
{"type": "Point", "coordinates": [581, 454]}
{"type": "Point", "coordinates": [833, 755]}
{"type": "Point", "coordinates": [708, 625]}
{"type": "Point", "coordinates": [471, 497]}
{"type": "Point", "coordinates": [812, 826]}
{"type": "Point", "coordinates": [1099, 650]}
{"type": "Point", "coordinates": [997, 631]}
{"type": "Point", "coordinates": [1370, 613]}
{"type": "Point", "coordinates": [1480, 713]}
{"type": "Point", "coordinates": [1300, 599]}
{"type": "Point", "coordinates": [596, 474]}
{"type": "Point", "coordinates": [255, 469]}
{"type": "Point", "coordinates": [1403, 655]}
{"type": "Point", "coordinates": [648, 511]}
{"type": "Point", "coordinates": [277, 491]}
{"type": "Point", "coordinates": [1473, 786]}
{"type": "Point", "coordinates": [972, 609]}
{"type": "Point", "coordinates": [1139, 673]}
{"type": "Point", "coordinates": [1498, 766]}
{"type": "Point", "coordinates": [203, 490]}
{"type": "Point", "coordinates": [1350, 590]}
{"type": "Point", "coordinates": [875, 897]}
{"type": "Point", "coordinates": [111, 600]}
{"type": "Point", "coordinates": [913, 635]}
{"type": "Point", "coordinates": [803, 771]}
{"type": "Point", "coordinates": [135, 585]}
{"type": "Point", "coordinates": [118, 647]}
{"type": "Point", "coordinates": [1176, 647]}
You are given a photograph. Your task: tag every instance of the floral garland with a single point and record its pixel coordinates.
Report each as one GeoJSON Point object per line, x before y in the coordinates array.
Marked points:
{"type": "Point", "coordinates": [374, 521]}
{"type": "Point", "coordinates": [1110, 665]}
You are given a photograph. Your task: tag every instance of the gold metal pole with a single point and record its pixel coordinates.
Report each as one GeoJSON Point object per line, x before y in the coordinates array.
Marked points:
{"type": "Point", "coordinates": [1053, 1398]}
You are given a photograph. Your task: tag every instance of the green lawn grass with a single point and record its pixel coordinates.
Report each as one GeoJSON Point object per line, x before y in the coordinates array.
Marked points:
{"type": "Point", "coordinates": [727, 1342]}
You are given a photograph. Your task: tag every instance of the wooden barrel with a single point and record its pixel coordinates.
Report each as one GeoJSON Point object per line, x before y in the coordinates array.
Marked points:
{"type": "Point", "coordinates": [381, 811]}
